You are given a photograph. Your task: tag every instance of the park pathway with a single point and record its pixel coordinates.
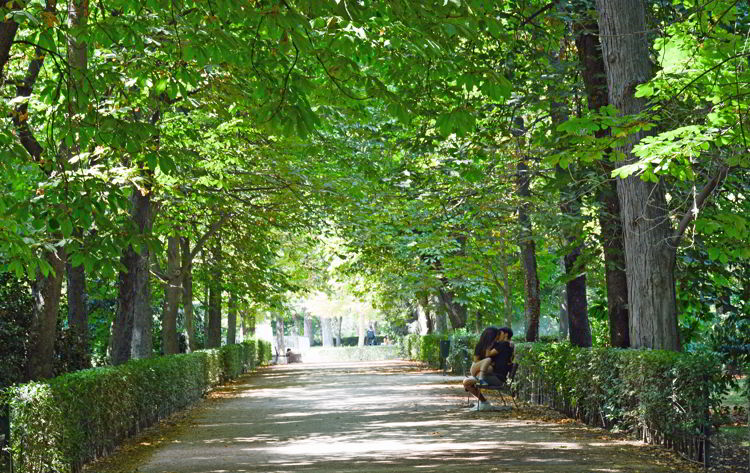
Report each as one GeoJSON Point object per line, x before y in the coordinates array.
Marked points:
{"type": "Point", "coordinates": [374, 417]}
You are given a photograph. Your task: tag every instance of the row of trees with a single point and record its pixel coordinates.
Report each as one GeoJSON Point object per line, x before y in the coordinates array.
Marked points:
{"type": "Point", "coordinates": [463, 150]}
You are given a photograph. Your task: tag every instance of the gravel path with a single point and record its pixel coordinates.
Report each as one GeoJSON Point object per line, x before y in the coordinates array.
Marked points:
{"type": "Point", "coordinates": [372, 417]}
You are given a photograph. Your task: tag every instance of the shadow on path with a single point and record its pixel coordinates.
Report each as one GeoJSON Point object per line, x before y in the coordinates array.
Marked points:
{"type": "Point", "coordinates": [378, 417]}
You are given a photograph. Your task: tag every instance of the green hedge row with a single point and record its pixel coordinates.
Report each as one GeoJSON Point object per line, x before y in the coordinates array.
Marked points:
{"type": "Point", "coordinates": [61, 423]}
{"type": "Point", "coordinates": [662, 397]}
{"type": "Point", "coordinates": [341, 354]}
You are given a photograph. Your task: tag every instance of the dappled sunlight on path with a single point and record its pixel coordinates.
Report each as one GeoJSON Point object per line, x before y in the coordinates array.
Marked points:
{"type": "Point", "coordinates": [373, 417]}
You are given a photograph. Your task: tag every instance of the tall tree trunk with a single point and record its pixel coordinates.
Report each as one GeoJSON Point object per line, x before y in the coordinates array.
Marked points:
{"type": "Point", "coordinates": [457, 313]}
{"type": "Point", "coordinates": [8, 29]}
{"type": "Point", "coordinates": [251, 325]}
{"type": "Point", "coordinates": [232, 319]}
{"type": "Point", "coordinates": [186, 271]}
{"type": "Point", "coordinates": [172, 297]}
{"type": "Point", "coordinates": [643, 208]}
{"type": "Point", "coordinates": [78, 12]}
{"type": "Point", "coordinates": [280, 345]}
{"type": "Point", "coordinates": [46, 293]}
{"type": "Point", "coordinates": [478, 321]}
{"type": "Point", "coordinates": [563, 324]}
{"type": "Point", "coordinates": [441, 319]}
{"type": "Point", "coordinates": [361, 330]}
{"type": "Point", "coordinates": [309, 329]}
{"type": "Point", "coordinates": [206, 305]}
{"type": "Point", "coordinates": [507, 296]}
{"type": "Point", "coordinates": [577, 306]}
{"type": "Point", "coordinates": [595, 80]}
{"type": "Point", "coordinates": [339, 326]}
{"type": "Point", "coordinates": [424, 315]}
{"type": "Point", "coordinates": [78, 316]}
{"type": "Point", "coordinates": [142, 343]}
{"type": "Point", "coordinates": [131, 333]}
{"type": "Point", "coordinates": [214, 300]}
{"type": "Point", "coordinates": [528, 255]}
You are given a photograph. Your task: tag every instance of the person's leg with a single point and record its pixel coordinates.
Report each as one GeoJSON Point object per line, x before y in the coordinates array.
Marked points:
{"type": "Point", "coordinates": [481, 367]}
{"type": "Point", "coordinates": [470, 386]}
{"type": "Point", "coordinates": [485, 368]}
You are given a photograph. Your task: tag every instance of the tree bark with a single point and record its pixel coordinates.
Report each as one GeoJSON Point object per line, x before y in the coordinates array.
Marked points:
{"type": "Point", "coordinates": [232, 319]}
{"type": "Point", "coordinates": [361, 330]}
{"type": "Point", "coordinates": [131, 332]}
{"type": "Point", "coordinates": [457, 314]}
{"type": "Point", "coordinates": [650, 259]}
{"type": "Point", "coordinates": [507, 296]}
{"type": "Point", "coordinates": [595, 80]}
{"type": "Point", "coordinates": [78, 316]}
{"type": "Point", "coordinates": [528, 255]}
{"type": "Point", "coordinates": [309, 329]}
{"type": "Point", "coordinates": [172, 297]}
{"type": "Point", "coordinates": [424, 315]}
{"type": "Point", "coordinates": [339, 326]}
{"type": "Point", "coordinates": [8, 29]}
{"type": "Point", "coordinates": [142, 342]}
{"type": "Point", "coordinates": [77, 66]}
{"type": "Point", "coordinates": [214, 300]}
{"type": "Point", "coordinates": [186, 270]}
{"type": "Point", "coordinates": [563, 324]}
{"type": "Point", "coordinates": [46, 293]}
{"type": "Point", "coordinates": [577, 306]}
{"type": "Point", "coordinates": [280, 345]}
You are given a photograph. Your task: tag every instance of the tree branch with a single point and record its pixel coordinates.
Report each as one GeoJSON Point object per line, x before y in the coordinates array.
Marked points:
{"type": "Point", "coordinates": [8, 31]}
{"type": "Point", "coordinates": [211, 232]}
{"type": "Point", "coordinates": [700, 201]}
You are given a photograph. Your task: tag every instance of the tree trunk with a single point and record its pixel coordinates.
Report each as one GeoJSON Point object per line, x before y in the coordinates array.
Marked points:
{"type": "Point", "coordinates": [507, 296]}
{"type": "Point", "coordinates": [528, 255]}
{"type": "Point", "coordinates": [441, 322]}
{"type": "Point", "coordinates": [577, 306]}
{"type": "Point", "coordinates": [595, 80]}
{"type": "Point", "coordinates": [326, 333]}
{"type": "Point", "coordinates": [232, 320]}
{"type": "Point", "coordinates": [186, 271]}
{"type": "Point", "coordinates": [649, 257]}
{"type": "Point", "coordinates": [78, 63]}
{"type": "Point", "coordinates": [309, 329]}
{"type": "Point", "coordinates": [243, 325]}
{"type": "Point", "coordinates": [206, 306]}
{"type": "Point", "coordinates": [280, 345]}
{"type": "Point", "coordinates": [77, 315]}
{"type": "Point", "coordinates": [563, 324]}
{"type": "Point", "coordinates": [142, 343]}
{"type": "Point", "coordinates": [339, 326]}
{"type": "Point", "coordinates": [251, 325]}
{"type": "Point", "coordinates": [8, 29]}
{"type": "Point", "coordinates": [46, 292]}
{"type": "Point", "coordinates": [614, 264]}
{"type": "Point", "coordinates": [131, 333]}
{"type": "Point", "coordinates": [172, 297]}
{"type": "Point", "coordinates": [361, 330]}
{"type": "Point", "coordinates": [457, 314]}
{"type": "Point", "coordinates": [424, 317]}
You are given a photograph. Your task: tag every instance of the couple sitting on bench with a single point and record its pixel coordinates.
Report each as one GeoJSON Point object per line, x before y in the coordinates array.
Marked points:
{"type": "Point", "coordinates": [493, 362]}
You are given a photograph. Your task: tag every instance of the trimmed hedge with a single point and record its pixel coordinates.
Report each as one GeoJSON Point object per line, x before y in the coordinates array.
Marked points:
{"type": "Point", "coordinates": [61, 423]}
{"type": "Point", "coordinates": [340, 354]}
{"type": "Point", "coordinates": [662, 397]}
